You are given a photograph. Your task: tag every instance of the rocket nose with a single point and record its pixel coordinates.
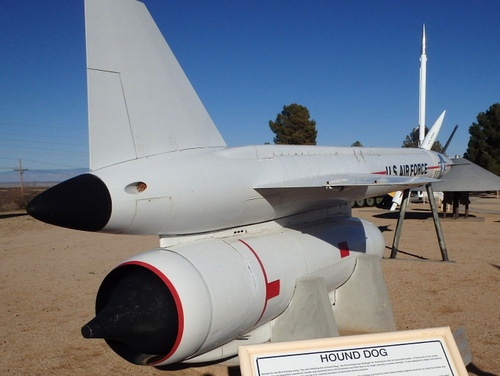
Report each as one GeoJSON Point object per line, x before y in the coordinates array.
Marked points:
{"type": "Point", "coordinates": [80, 203]}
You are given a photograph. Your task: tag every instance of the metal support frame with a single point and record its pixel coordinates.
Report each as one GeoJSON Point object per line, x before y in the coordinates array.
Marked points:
{"type": "Point", "coordinates": [399, 226]}
{"type": "Point", "coordinates": [437, 223]}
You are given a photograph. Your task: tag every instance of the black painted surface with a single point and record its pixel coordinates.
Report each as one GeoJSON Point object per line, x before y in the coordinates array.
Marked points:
{"type": "Point", "coordinates": [136, 315]}
{"type": "Point", "coordinates": [80, 203]}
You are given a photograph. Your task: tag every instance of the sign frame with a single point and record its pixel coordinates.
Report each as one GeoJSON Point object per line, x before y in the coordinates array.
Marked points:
{"type": "Point", "coordinates": [432, 348]}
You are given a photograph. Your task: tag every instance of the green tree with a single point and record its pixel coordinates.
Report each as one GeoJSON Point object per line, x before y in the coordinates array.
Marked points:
{"type": "Point", "coordinates": [484, 143]}
{"type": "Point", "coordinates": [357, 144]}
{"type": "Point", "coordinates": [293, 126]}
{"type": "Point", "coordinates": [411, 140]}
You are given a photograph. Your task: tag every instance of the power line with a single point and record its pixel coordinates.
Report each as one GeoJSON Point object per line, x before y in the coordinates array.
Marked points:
{"type": "Point", "coordinates": [16, 148]}
{"type": "Point", "coordinates": [41, 126]}
{"type": "Point", "coordinates": [40, 162]}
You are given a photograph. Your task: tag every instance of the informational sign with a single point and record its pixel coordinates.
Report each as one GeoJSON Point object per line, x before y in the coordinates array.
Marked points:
{"type": "Point", "coordinates": [430, 352]}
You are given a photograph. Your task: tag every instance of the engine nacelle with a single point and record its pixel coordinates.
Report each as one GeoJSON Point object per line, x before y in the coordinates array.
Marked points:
{"type": "Point", "coordinates": [168, 305]}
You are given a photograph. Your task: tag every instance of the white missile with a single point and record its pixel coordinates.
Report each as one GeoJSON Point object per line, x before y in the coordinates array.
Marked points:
{"type": "Point", "coordinates": [239, 228]}
{"type": "Point", "coordinates": [431, 136]}
{"type": "Point", "coordinates": [422, 90]}
{"type": "Point", "coordinates": [424, 141]}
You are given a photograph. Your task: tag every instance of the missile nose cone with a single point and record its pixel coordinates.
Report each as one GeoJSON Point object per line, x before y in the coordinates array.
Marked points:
{"type": "Point", "coordinates": [136, 315]}
{"type": "Point", "coordinates": [80, 203]}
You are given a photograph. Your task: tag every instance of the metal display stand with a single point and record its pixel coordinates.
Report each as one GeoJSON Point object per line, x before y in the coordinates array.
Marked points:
{"type": "Point", "coordinates": [437, 223]}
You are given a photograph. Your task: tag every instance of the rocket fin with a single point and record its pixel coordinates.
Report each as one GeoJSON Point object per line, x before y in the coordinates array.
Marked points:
{"type": "Point", "coordinates": [311, 301]}
{"type": "Point", "coordinates": [140, 101]}
{"type": "Point", "coordinates": [362, 304]}
{"type": "Point", "coordinates": [431, 136]}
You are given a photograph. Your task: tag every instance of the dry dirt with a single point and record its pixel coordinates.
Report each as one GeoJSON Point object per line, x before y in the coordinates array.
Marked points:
{"type": "Point", "coordinates": [49, 277]}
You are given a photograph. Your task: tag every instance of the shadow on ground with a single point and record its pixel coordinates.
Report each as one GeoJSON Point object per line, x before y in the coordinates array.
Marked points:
{"type": "Point", "coordinates": [473, 369]}
{"type": "Point", "coordinates": [12, 215]}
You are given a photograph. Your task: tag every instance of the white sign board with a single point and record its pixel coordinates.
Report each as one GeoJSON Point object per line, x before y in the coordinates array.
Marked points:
{"type": "Point", "coordinates": [430, 352]}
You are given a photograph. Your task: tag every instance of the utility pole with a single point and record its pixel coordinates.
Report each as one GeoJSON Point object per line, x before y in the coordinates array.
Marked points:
{"type": "Point", "coordinates": [21, 170]}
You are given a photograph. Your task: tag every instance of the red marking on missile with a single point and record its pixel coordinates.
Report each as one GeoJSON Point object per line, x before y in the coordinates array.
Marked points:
{"type": "Point", "coordinates": [436, 167]}
{"type": "Point", "coordinates": [178, 305]}
{"type": "Point", "coordinates": [272, 288]}
{"type": "Point", "coordinates": [344, 249]}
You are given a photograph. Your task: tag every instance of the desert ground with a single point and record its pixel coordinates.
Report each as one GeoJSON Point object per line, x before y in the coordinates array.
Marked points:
{"type": "Point", "coordinates": [49, 278]}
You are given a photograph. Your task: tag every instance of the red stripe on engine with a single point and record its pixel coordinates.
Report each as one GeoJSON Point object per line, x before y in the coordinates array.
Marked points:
{"type": "Point", "coordinates": [272, 288]}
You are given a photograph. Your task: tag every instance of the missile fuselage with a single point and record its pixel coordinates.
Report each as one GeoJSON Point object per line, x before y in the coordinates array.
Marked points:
{"type": "Point", "coordinates": [196, 191]}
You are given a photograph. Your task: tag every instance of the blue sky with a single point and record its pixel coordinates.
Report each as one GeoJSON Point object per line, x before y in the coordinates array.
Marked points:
{"type": "Point", "coordinates": [353, 64]}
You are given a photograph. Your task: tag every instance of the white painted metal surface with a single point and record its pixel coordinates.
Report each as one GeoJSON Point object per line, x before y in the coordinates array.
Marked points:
{"type": "Point", "coordinates": [422, 90]}
{"type": "Point", "coordinates": [206, 189]}
{"type": "Point", "coordinates": [140, 101]}
{"type": "Point", "coordinates": [259, 276]}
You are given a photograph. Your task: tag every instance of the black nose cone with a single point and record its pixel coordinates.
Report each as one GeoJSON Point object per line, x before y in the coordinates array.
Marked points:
{"type": "Point", "coordinates": [80, 203]}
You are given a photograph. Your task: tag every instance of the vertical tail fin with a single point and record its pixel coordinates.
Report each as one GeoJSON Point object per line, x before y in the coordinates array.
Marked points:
{"type": "Point", "coordinates": [449, 140]}
{"type": "Point", "coordinates": [140, 101]}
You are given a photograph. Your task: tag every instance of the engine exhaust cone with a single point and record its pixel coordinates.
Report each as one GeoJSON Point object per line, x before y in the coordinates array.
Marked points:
{"type": "Point", "coordinates": [136, 315]}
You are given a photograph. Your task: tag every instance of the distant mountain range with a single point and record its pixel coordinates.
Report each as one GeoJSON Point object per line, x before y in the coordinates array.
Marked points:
{"type": "Point", "coordinates": [34, 177]}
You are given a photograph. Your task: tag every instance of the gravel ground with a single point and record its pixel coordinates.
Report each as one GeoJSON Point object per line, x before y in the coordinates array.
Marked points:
{"type": "Point", "coordinates": [49, 278]}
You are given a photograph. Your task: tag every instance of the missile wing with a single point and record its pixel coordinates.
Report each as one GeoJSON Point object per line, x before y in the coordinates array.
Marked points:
{"type": "Point", "coordinates": [252, 239]}
{"type": "Point", "coordinates": [466, 176]}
